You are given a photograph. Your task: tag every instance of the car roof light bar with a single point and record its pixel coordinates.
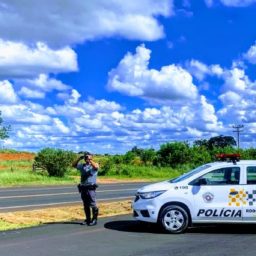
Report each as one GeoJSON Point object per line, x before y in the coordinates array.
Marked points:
{"type": "Point", "coordinates": [228, 157]}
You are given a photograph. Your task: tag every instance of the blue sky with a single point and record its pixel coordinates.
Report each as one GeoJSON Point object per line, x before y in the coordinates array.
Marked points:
{"type": "Point", "coordinates": [105, 76]}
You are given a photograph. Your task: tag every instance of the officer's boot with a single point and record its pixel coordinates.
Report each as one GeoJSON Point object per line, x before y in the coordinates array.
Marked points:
{"type": "Point", "coordinates": [95, 212]}
{"type": "Point", "coordinates": [87, 212]}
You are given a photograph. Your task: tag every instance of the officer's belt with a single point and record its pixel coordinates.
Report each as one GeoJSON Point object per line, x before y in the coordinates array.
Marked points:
{"type": "Point", "coordinates": [88, 186]}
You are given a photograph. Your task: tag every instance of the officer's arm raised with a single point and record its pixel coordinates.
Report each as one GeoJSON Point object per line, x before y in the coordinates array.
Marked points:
{"type": "Point", "coordinates": [77, 161]}
{"type": "Point", "coordinates": [94, 164]}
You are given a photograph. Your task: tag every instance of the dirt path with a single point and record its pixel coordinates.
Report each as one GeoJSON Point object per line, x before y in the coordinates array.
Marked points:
{"type": "Point", "coordinates": [16, 156]}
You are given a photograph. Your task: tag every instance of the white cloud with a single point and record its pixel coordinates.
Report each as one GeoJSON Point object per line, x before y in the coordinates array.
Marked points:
{"type": "Point", "coordinates": [201, 70]}
{"type": "Point", "coordinates": [198, 69]}
{"type": "Point", "coordinates": [235, 79]}
{"type": "Point", "coordinates": [231, 3]}
{"type": "Point", "coordinates": [19, 61]}
{"type": "Point", "coordinates": [70, 98]}
{"type": "Point", "coordinates": [43, 83]}
{"type": "Point", "coordinates": [47, 84]}
{"type": "Point", "coordinates": [230, 97]}
{"type": "Point", "coordinates": [102, 106]}
{"type": "Point", "coordinates": [7, 93]}
{"type": "Point", "coordinates": [251, 54]}
{"type": "Point", "coordinates": [133, 77]}
{"type": "Point", "coordinates": [31, 94]}
{"type": "Point", "coordinates": [238, 97]}
{"type": "Point", "coordinates": [60, 125]}
{"type": "Point", "coordinates": [98, 123]}
{"type": "Point", "coordinates": [77, 21]}
{"type": "Point", "coordinates": [23, 114]}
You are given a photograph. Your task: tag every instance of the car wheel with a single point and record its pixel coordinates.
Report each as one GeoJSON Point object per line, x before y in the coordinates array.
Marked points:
{"type": "Point", "coordinates": [174, 219]}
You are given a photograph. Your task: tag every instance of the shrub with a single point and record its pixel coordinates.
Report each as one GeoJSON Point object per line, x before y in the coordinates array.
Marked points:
{"type": "Point", "coordinates": [107, 167]}
{"type": "Point", "coordinates": [55, 161]}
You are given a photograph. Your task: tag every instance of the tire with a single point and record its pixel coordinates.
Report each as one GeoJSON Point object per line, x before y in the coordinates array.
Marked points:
{"type": "Point", "coordinates": [174, 219]}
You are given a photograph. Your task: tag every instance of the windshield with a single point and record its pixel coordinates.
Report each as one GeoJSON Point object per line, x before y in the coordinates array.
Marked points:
{"type": "Point", "coordinates": [189, 174]}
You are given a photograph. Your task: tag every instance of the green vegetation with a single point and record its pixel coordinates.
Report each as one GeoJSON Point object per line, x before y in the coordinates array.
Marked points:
{"type": "Point", "coordinates": [4, 225]}
{"type": "Point", "coordinates": [19, 177]}
{"type": "Point", "coordinates": [171, 160]}
{"type": "Point", "coordinates": [13, 151]}
{"type": "Point", "coordinates": [55, 161]}
{"type": "Point", "coordinates": [3, 129]}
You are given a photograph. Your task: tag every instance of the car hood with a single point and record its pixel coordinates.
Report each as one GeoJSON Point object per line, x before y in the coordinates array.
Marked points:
{"type": "Point", "coordinates": [164, 185]}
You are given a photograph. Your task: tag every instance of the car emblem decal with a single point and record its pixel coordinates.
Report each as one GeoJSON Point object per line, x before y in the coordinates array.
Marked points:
{"type": "Point", "coordinates": [208, 197]}
{"type": "Point", "coordinates": [237, 197]}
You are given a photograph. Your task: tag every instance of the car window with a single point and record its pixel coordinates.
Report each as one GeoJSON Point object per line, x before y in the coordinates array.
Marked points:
{"type": "Point", "coordinates": [190, 174]}
{"type": "Point", "coordinates": [222, 176]}
{"type": "Point", "coordinates": [251, 175]}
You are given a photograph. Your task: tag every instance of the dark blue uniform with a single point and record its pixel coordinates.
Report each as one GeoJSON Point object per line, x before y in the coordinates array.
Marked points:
{"type": "Point", "coordinates": [88, 191]}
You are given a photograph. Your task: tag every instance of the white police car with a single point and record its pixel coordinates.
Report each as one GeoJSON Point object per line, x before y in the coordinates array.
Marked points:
{"type": "Point", "coordinates": [219, 192]}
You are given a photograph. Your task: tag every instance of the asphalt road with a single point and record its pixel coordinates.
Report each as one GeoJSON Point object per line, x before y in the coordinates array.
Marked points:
{"type": "Point", "coordinates": [12, 199]}
{"type": "Point", "coordinates": [124, 236]}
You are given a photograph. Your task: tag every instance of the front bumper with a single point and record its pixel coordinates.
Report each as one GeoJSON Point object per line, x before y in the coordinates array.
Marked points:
{"type": "Point", "coordinates": [145, 210]}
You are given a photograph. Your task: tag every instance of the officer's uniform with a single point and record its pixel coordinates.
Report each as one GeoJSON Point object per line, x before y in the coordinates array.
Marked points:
{"type": "Point", "coordinates": [88, 191]}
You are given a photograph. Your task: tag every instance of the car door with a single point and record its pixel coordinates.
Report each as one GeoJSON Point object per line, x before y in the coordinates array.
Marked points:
{"type": "Point", "coordinates": [249, 210]}
{"type": "Point", "coordinates": [218, 195]}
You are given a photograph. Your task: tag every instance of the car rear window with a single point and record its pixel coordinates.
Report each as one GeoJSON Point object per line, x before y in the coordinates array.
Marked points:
{"type": "Point", "coordinates": [251, 175]}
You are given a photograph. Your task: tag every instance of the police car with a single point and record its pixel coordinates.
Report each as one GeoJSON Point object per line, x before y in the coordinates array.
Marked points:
{"type": "Point", "coordinates": [219, 192]}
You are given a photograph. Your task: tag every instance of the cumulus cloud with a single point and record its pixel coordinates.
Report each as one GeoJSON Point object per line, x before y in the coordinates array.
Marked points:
{"type": "Point", "coordinates": [238, 97]}
{"type": "Point", "coordinates": [18, 60]}
{"type": "Point", "coordinates": [235, 79]}
{"type": "Point", "coordinates": [70, 98]}
{"type": "Point", "coordinates": [23, 114]}
{"type": "Point", "coordinates": [237, 94]}
{"type": "Point", "coordinates": [100, 123]}
{"type": "Point", "coordinates": [78, 20]}
{"type": "Point", "coordinates": [31, 94]}
{"type": "Point", "coordinates": [251, 54]}
{"type": "Point", "coordinates": [61, 126]}
{"type": "Point", "coordinates": [7, 93]}
{"type": "Point", "coordinates": [133, 77]}
{"type": "Point", "coordinates": [201, 70]}
{"type": "Point", "coordinates": [43, 83]}
{"type": "Point", "coordinates": [230, 97]}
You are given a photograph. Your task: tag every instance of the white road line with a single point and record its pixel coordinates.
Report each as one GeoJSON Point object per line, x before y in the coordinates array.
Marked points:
{"type": "Point", "coordinates": [70, 187]}
{"type": "Point", "coordinates": [61, 203]}
{"type": "Point", "coordinates": [65, 193]}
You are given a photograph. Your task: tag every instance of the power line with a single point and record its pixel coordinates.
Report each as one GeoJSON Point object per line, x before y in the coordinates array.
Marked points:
{"type": "Point", "coordinates": [238, 130]}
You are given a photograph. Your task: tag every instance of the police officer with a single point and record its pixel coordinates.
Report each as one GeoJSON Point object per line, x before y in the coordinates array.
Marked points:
{"type": "Point", "coordinates": [87, 187]}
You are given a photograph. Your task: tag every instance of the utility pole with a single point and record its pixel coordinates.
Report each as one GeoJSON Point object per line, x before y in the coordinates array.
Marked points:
{"type": "Point", "coordinates": [238, 130]}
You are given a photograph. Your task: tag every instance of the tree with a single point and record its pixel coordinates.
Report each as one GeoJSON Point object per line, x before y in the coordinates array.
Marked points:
{"type": "Point", "coordinates": [221, 142]}
{"type": "Point", "coordinates": [201, 143]}
{"type": "Point", "coordinates": [148, 156]}
{"type": "Point", "coordinates": [174, 154]}
{"type": "Point", "coordinates": [3, 129]}
{"type": "Point", "coordinates": [137, 151]}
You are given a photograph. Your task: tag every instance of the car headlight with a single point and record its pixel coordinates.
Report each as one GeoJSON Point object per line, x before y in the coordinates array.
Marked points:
{"type": "Point", "coordinates": [150, 195]}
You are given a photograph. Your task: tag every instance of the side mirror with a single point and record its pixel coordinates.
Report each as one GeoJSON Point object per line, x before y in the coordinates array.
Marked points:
{"type": "Point", "coordinates": [202, 181]}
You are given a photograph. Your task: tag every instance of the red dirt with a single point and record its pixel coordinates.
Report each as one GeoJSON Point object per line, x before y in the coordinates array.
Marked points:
{"type": "Point", "coordinates": [16, 156]}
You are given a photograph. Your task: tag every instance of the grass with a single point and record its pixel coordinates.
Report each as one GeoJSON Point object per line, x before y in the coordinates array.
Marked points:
{"type": "Point", "coordinates": [148, 172]}
{"type": "Point", "coordinates": [27, 177]}
{"type": "Point", "coordinates": [21, 219]}
{"type": "Point", "coordinates": [19, 173]}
